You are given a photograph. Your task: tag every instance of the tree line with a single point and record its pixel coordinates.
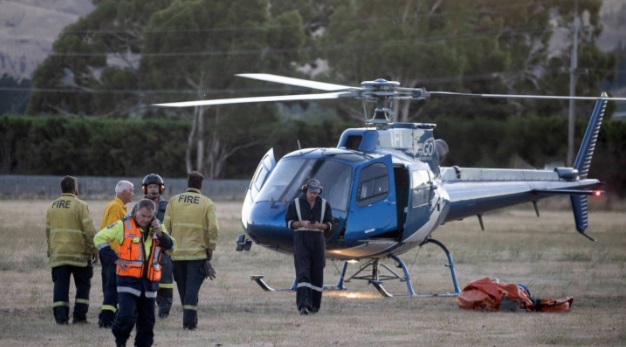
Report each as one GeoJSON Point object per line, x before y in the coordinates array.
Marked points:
{"type": "Point", "coordinates": [130, 148]}
{"type": "Point", "coordinates": [126, 55]}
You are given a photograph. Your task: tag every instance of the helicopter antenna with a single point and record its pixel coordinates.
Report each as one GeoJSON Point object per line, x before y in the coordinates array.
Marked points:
{"type": "Point", "coordinates": [299, 147]}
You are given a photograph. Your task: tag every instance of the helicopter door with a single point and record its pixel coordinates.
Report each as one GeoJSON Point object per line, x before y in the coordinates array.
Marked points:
{"type": "Point", "coordinates": [267, 164]}
{"type": "Point", "coordinates": [373, 202]}
{"type": "Point", "coordinates": [418, 209]}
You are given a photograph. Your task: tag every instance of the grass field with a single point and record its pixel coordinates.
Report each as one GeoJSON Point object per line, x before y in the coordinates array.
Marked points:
{"type": "Point", "coordinates": [545, 253]}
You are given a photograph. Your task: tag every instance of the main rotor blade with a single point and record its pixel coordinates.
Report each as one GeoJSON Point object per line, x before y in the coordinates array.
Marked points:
{"type": "Point", "coordinates": [257, 99]}
{"type": "Point", "coordinates": [295, 81]}
{"type": "Point", "coordinates": [517, 96]}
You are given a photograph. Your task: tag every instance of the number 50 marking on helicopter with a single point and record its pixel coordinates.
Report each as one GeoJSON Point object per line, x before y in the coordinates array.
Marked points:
{"type": "Point", "coordinates": [386, 187]}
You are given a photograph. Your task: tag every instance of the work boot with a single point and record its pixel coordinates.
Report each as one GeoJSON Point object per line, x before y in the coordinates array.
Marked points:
{"type": "Point", "coordinates": [62, 321]}
{"type": "Point", "coordinates": [106, 319]}
{"type": "Point", "coordinates": [105, 324]}
{"type": "Point", "coordinates": [304, 311]}
{"type": "Point", "coordinates": [79, 320]}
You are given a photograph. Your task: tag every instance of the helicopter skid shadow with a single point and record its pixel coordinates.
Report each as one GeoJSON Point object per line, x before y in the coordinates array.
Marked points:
{"type": "Point", "coordinates": [385, 293]}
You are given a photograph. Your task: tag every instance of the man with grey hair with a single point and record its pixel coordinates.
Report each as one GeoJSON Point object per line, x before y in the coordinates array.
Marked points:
{"type": "Point", "coordinates": [114, 211]}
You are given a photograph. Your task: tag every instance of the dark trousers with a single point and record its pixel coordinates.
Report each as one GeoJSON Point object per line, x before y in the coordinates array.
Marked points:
{"type": "Point", "coordinates": [309, 260]}
{"type": "Point", "coordinates": [166, 286]}
{"type": "Point", "coordinates": [109, 291]}
{"type": "Point", "coordinates": [189, 275]}
{"type": "Point", "coordinates": [61, 295]}
{"type": "Point", "coordinates": [133, 310]}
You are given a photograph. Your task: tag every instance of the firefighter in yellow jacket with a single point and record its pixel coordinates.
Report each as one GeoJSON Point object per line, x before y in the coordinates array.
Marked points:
{"type": "Point", "coordinates": [190, 218]}
{"type": "Point", "coordinates": [142, 240]}
{"type": "Point", "coordinates": [113, 211]}
{"type": "Point", "coordinates": [69, 232]}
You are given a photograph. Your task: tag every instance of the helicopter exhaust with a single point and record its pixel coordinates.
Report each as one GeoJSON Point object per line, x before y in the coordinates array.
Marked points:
{"type": "Point", "coordinates": [442, 149]}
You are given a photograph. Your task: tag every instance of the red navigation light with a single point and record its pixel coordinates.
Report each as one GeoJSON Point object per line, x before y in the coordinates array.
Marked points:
{"type": "Point", "coordinates": [597, 193]}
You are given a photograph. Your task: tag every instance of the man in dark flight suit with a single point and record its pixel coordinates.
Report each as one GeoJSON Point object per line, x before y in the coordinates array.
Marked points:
{"type": "Point", "coordinates": [309, 216]}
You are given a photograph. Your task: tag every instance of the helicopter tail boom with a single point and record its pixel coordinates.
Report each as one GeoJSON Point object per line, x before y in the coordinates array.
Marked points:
{"type": "Point", "coordinates": [476, 191]}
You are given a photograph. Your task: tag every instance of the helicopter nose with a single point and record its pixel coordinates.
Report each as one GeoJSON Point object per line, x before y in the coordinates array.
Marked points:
{"type": "Point", "coordinates": [266, 225]}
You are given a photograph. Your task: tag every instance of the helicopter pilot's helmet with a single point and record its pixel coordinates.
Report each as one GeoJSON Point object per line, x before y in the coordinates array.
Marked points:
{"type": "Point", "coordinates": [313, 186]}
{"type": "Point", "coordinates": [152, 179]}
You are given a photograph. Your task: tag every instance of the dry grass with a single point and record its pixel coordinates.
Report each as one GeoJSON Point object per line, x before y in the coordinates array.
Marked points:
{"type": "Point", "coordinates": [546, 253]}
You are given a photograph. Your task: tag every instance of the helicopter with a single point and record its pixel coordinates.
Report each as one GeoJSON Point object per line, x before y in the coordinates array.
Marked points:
{"type": "Point", "coordinates": [386, 187]}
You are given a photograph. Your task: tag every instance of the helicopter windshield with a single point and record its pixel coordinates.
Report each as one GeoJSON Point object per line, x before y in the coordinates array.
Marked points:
{"type": "Point", "coordinates": [290, 175]}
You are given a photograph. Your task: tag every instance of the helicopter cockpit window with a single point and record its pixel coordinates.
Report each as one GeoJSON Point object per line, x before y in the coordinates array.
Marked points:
{"type": "Point", "coordinates": [286, 181]}
{"type": "Point", "coordinates": [259, 178]}
{"type": "Point", "coordinates": [373, 184]}
{"type": "Point", "coordinates": [420, 187]}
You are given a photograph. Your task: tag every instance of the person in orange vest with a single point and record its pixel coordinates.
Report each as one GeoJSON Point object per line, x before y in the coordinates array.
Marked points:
{"type": "Point", "coordinates": [69, 232]}
{"type": "Point", "coordinates": [113, 211]}
{"type": "Point", "coordinates": [142, 240]}
{"type": "Point", "coordinates": [153, 187]}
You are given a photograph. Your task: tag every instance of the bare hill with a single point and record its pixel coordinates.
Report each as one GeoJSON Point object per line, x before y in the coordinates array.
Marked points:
{"type": "Point", "coordinates": [29, 27]}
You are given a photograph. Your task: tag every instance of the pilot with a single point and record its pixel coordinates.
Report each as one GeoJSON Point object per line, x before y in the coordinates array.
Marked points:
{"type": "Point", "coordinates": [191, 219]}
{"type": "Point", "coordinates": [309, 216]}
{"type": "Point", "coordinates": [153, 186]}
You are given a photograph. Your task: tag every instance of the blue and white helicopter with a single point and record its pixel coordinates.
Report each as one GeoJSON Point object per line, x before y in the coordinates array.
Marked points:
{"type": "Point", "coordinates": [386, 187]}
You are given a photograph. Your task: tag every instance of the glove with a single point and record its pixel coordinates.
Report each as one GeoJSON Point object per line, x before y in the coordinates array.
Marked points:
{"type": "Point", "coordinates": [209, 271]}
{"type": "Point", "coordinates": [94, 256]}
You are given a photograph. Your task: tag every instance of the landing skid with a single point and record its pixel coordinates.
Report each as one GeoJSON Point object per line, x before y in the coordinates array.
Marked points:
{"type": "Point", "coordinates": [376, 278]}
{"type": "Point", "coordinates": [259, 280]}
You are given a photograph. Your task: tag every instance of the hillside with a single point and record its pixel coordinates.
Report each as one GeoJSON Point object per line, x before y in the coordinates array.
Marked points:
{"type": "Point", "coordinates": [29, 27]}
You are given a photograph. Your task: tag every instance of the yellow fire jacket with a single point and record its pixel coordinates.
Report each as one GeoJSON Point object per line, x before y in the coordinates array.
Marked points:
{"type": "Point", "coordinates": [190, 218]}
{"type": "Point", "coordinates": [115, 210]}
{"type": "Point", "coordinates": [69, 232]}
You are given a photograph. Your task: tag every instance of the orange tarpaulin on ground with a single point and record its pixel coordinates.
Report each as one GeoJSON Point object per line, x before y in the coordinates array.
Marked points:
{"type": "Point", "coordinates": [492, 295]}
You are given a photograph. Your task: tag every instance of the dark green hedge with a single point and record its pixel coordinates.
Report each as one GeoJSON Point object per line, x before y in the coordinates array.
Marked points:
{"type": "Point", "coordinates": [126, 147]}
{"type": "Point", "coordinates": [81, 146]}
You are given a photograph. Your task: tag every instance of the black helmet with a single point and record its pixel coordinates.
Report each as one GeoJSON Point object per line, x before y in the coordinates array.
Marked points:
{"type": "Point", "coordinates": [152, 179]}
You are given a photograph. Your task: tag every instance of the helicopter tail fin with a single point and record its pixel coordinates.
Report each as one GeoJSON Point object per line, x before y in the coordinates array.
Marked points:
{"type": "Point", "coordinates": [583, 159]}
{"type": "Point", "coordinates": [582, 163]}
{"type": "Point", "coordinates": [581, 216]}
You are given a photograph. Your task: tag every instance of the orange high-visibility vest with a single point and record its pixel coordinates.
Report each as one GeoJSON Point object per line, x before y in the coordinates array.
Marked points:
{"type": "Point", "coordinates": [132, 249]}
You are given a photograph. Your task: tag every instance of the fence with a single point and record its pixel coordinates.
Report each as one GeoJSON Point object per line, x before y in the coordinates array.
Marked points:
{"type": "Point", "coordinates": [90, 187]}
